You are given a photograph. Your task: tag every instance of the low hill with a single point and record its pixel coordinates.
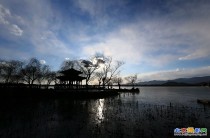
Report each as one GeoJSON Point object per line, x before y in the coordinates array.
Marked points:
{"type": "Point", "coordinates": [180, 81]}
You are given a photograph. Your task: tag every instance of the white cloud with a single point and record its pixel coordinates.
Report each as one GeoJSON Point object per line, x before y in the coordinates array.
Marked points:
{"type": "Point", "coordinates": [16, 30]}
{"type": "Point", "coordinates": [202, 52]}
{"type": "Point", "coordinates": [47, 35]}
{"type": "Point", "coordinates": [36, 26]}
{"type": "Point", "coordinates": [39, 29]}
{"type": "Point", "coordinates": [88, 6]}
{"type": "Point", "coordinates": [50, 45]}
{"type": "Point", "coordinates": [4, 13]}
{"type": "Point", "coordinates": [6, 19]}
{"type": "Point", "coordinates": [99, 10]}
{"type": "Point", "coordinates": [174, 74]}
{"type": "Point", "coordinates": [42, 61]}
{"type": "Point", "coordinates": [158, 41]}
{"type": "Point", "coordinates": [133, 44]}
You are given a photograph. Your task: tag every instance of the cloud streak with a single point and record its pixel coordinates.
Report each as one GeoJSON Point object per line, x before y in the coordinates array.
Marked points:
{"type": "Point", "coordinates": [159, 40]}
{"type": "Point", "coordinates": [16, 30]}
{"type": "Point", "coordinates": [148, 36]}
{"type": "Point", "coordinates": [174, 74]}
{"type": "Point", "coordinates": [5, 16]}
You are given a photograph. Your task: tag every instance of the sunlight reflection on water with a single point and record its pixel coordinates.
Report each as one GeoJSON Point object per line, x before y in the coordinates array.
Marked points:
{"type": "Point", "coordinates": [100, 109]}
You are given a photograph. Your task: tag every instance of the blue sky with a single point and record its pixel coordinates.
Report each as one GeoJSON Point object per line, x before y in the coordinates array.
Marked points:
{"type": "Point", "coordinates": [158, 39]}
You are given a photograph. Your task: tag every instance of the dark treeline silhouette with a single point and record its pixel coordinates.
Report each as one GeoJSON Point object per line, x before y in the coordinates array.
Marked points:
{"type": "Point", "coordinates": [30, 72]}
{"type": "Point", "coordinates": [98, 69]}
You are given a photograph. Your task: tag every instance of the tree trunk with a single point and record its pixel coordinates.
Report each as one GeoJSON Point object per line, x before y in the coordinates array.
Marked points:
{"type": "Point", "coordinates": [32, 82]}
{"type": "Point", "coordinates": [86, 84]}
{"type": "Point", "coordinates": [119, 86]}
{"type": "Point", "coordinates": [99, 85]}
{"type": "Point", "coordinates": [103, 85]}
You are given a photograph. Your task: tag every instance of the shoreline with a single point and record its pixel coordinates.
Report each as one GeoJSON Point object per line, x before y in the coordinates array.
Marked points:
{"type": "Point", "coordinates": [62, 93]}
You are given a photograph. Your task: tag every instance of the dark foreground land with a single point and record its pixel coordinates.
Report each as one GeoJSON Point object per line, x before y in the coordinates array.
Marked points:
{"type": "Point", "coordinates": [61, 93]}
{"type": "Point", "coordinates": [106, 117]}
{"type": "Point", "coordinates": [55, 94]}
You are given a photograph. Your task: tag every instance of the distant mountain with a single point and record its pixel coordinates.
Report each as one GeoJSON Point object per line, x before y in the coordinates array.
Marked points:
{"type": "Point", "coordinates": [180, 81]}
{"type": "Point", "coordinates": [193, 80]}
{"type": "Point", "coordinates": [153, 82]}
{"type": "Point", "coordinates": [172, 83]}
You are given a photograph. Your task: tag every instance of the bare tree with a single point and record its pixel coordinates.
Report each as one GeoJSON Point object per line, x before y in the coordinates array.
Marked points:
{"type": "Point", "coordinates": [44, 71]}
{"type": "Point", "coordinates": [108, 69]}
{"type": "Point", "coordinates": [118, 81]}
{"type": "Point", "coordinates": [109, 84]}
{"type": "Point", "coordinates": [131, 79]}
{"type": "Point", "coordinates": [99, 76]}
{"type": "Point", "coordinates": [32, 70]}
{"type": "Point", "coordinates": [68, 64]}
{"type": "Point", "coordinates": [6, 71]}
{"type": "Point", "coordinates": [10, 70]}
{"type": "Point", "coordinates": [51, 76]}
{"type": "Point", "coordinates": [88, 67]}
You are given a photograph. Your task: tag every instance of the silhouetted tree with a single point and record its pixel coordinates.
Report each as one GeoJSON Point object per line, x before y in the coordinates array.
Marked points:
{"type": "Point", "coordinates": [51, 77]}
{"type": "Point", "coordinates": [31, 71]}
{"type": "Point", "coordinates": [88, 67]}
{"type": "Point", "coordinates": [131, 79]}
{"type": "Point", "coordinates": [118, 81]}
{"type": "Point", "coordinates": [10, 71]}
{"type": "Point", "coordinates": [47, 76]}
{"type": "Point", "coordinates": [99, 77]}
{"type": "Point", "coordinates": [109, 84]}
{"type": "Point", "coordinates": [44, 71]}
{"type": "Point", "coordinates": [109, 69]}
{"type": "Point", "coordinates": [68, 64]}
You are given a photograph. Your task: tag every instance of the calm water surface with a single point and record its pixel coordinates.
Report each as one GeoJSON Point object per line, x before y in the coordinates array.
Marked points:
{"type": "Point", "coordinates": [146, 114]}
{"type": "Point", "coordinates": [164, 95]}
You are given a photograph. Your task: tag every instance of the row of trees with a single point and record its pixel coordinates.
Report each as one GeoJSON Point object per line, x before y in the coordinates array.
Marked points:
{"type": "Point", "coordinates": [97, 68]}
{"type": "Point", "coordinates": [15, 71]}
{"type": "Point", "coordinates": [100, 68]}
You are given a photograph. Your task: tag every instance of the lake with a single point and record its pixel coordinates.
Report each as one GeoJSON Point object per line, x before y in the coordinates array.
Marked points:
{"type": "Point", "coordinates": [147, 114]}
{"type": "Point", "coordinates": [164, 95]}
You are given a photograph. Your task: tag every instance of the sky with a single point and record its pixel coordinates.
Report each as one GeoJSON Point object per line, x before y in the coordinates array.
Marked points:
{"type": "Point", "coordinates": [157, 39]}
